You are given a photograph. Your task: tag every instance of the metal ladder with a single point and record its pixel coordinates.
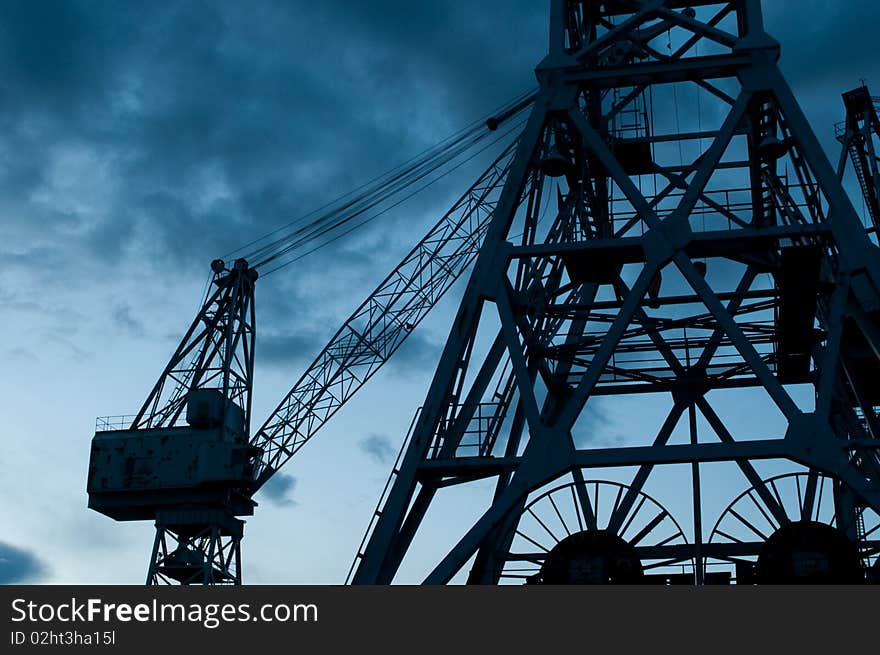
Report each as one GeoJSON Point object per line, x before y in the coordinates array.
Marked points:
{"type": "Point", "coordinates": [867, 192]}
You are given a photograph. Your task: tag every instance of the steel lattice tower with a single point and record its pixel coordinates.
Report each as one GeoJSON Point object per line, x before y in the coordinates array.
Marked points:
{"type": "Point", "coordinates": [858, 134]}
{"type": "Point", "coordinates": [184, 460]}
{"type": "Point", "coordinates": [685, 261]}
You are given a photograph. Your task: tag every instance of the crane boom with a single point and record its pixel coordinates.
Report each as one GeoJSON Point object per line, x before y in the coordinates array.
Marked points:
{"type": "Point", "coordinates": [381, 324]}
{"type": "Point", "coordinates": [186, 460]}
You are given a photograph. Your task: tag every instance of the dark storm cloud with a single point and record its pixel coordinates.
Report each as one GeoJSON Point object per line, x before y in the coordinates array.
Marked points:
{"type": "Point", "coordinates": [208, 123]}
{"type": "Point", "coordinates": [297, 322]}
{"type": "Point", "coordinates": [159, 135]}
{"type": "Point", "coordinates": [288, 350]}
{"type": "Point", "coordinates": [826, 42]}
{"type": "Point", "coordinates": [220, 119]}
{"type": "Point", "coordinates": [19, 566]}
{"type": "Point", "coordinates": [163, 134]}
{"type": "Point", "coordinates": [279, 489]}
{"type": "Point", "coordinates": [827, 48]}
{"type": "Point", "coordinates": [378, 447]}
{"type": "Point", "coordinates": [417, 354]}
{"type": "Point", "coordinates": [126, 321]}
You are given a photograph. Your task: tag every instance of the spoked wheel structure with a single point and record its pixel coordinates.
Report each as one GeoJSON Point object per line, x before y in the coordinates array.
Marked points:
{"type": "Point", "coordinates": [597, 532]}
{"type": "Point", "coordinates": [796, 528]}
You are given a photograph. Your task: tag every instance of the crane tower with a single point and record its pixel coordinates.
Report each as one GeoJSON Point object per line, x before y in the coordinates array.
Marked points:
{"type": "Point", "coordinates": [685, 262]}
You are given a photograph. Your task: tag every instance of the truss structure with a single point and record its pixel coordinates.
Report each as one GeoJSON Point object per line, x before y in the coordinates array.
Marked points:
{"type": "Point", "coordinates": [217, 351]}
{"type": "Point", "coordinates": [207, 384]}
{"type": "Point", "coordinates": [187, 461]}
{"type": "Point", "coordinates": [690, 258]}
{"type": "Point", "coordinates": [860, 136]}
{"type": "Point", "coordinates": [384, 320]}
{"type": "Point", "coordinates": [202, 547]}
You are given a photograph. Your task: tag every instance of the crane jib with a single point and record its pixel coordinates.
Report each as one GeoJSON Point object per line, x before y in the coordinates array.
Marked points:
{"type": "Point", "coordinates": [382, 323]}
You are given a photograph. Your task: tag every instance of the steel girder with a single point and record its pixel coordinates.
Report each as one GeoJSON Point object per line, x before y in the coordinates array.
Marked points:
{"type": "Point", "coordinates": [694, 287]}
{"type": "Point", "coordinates": [380, 325]}
{"type": "Point", "coordinates": [196, 548]}
{"type": "Point", "coordinates": [217, 351]}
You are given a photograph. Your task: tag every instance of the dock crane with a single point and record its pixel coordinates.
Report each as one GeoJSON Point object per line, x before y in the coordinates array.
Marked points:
{"type": "Point", "coordinates": [187, 459]}
{"type": "Point", "coordinates": [583, 312]}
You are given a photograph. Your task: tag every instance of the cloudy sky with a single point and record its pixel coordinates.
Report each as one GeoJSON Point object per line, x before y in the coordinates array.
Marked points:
{"type": "Point", "coordinates": [139, 140]}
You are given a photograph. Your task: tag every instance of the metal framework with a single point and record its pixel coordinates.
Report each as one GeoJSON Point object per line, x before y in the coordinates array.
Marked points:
{"type": "Point", "coordinates": [202, 547]}
{"type": "Point", "coordinates": [216, 353]}
{"type": "Point", "coordinates": [859, 135]}
{"type": "Point", "coordinates": [684, 263]}
{"type": "Point", "coordinates": [379, 326]}
{"type": "Point", "coordinates": [198, 534]}
{"type": "Point", "coordinates": [678, 263]}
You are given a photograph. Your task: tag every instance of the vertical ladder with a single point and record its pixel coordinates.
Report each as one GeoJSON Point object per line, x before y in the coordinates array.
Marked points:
{"type": "Point", "coordinates": [867, 192]}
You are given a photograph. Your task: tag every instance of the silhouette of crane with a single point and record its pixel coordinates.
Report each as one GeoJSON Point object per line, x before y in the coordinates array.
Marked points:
{"type": "Point", "coordinates": [859, 135]}
{"type": "Point", "coordinates": [186, 459]}
{"type": "Point", "coordinates": [647, 281]}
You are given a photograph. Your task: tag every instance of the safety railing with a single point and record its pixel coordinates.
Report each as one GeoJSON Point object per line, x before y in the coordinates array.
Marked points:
{"type": "Point", "coordinates": [113, 423]}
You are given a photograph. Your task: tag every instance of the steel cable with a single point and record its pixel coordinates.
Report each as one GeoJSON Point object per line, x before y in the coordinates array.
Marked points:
{"type": "Point", "coordinates": [377, 191]}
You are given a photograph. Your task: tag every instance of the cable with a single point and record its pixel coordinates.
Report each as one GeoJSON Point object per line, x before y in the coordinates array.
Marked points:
{"type": "Point", "coordinates": [336, 219]}
{"type": "Point", "coordinates": [395, 204]}
{"type": "Point", "coordinates": [378, 178]}
{"type": "Point", "coordinates": [318, 227]}
{"type": "Point", "coordinates": [383, 179]}
{"type": "Point", "coordinates": [375, 191]}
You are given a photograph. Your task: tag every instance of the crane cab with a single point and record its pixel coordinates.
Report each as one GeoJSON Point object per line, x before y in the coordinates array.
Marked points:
{"type": "Point", "coordinates": [136, 473]}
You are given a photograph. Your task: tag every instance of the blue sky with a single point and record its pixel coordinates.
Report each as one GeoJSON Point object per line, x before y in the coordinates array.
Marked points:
{"type": "Point", "coordinates": [141, 140]}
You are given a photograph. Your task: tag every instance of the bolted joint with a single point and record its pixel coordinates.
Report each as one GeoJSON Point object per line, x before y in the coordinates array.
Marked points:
{"type": "Point", "coordinates": [690, 388]}
{"type": "Point", "coordinates": [662, 241]}
{"type": "Point", "coordinates": [812, 442]}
